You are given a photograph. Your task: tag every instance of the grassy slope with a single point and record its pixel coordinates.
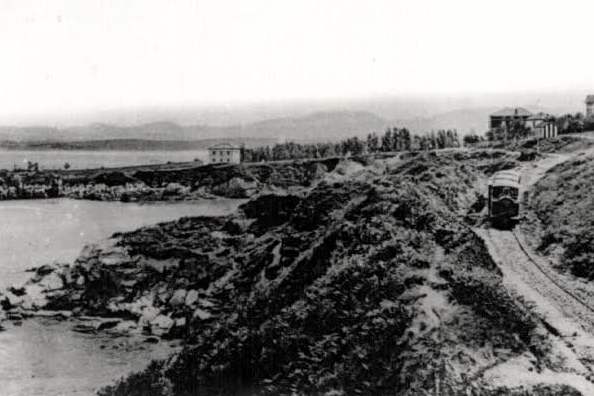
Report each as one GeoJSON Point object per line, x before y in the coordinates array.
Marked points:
{"type": "Point", "coordinates": [369, 286]}
{"type": "Point", "coordinates": [559, 144]}
{"type": "Point", "coordinates": [563, 203]}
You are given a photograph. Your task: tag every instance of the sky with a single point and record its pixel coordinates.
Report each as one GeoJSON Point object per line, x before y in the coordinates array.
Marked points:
{"type": "Point", "coordinates": [72, 56]}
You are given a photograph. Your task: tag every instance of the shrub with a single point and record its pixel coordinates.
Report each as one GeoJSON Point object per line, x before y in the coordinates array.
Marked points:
{"type": "Point", "coordinates": [150, 382]}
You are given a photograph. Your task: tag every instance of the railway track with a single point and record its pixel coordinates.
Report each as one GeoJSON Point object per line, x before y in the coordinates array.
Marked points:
{"type": "Point", "coordinates": [551, 278]}
{"type": "Point", "coordinates": [561, 306]}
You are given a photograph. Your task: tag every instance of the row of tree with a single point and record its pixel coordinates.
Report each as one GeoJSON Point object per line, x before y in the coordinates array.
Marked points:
{"type": "Point", "coordinates": [513, 130]}
{"type": "Point", "coordinates": [393, 140]}
{"type": "Point", "coordinates": [572, 123]}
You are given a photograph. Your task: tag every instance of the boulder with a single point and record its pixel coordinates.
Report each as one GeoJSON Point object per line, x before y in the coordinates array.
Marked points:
{"type": "Point", "coordinates": [205, 303]}
{"type": "Point", "coordinates": [126, 326]}
{"type": "Point", "coordinates": [141, 307]}
{"type": "Point", "coordinates": [51, 282]}
{"type": "Point", "coordinates": [162, 293]}
{"type": "Point", "coordinates": [175, 190]}
{"type": "Point", "coordinates": [161, 325]}
{"type": "Point", "coordinates": [178, 298]}
{"type": "Point", "coordinates": [180, 322]}
{"type": "Point", "coordinates": [236, 188]}
{"type": "Point", "coordinates": [36, 298]}
{"type": "Point", "coordinates": [108, 324]}
{"type": "Point", "coordinates": [9, 300]}
{"type": "Point", "coordinates": [149, 314]}
{"type": "Point", "coordinates": [45, 270]}
{"type": "Point", "coordinates": [192, 298]}
{"type": "Point", "coordinates": [201, 314]}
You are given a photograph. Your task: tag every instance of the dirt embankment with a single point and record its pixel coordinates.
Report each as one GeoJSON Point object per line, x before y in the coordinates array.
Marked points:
{"type": "Point", "coordinates": [368, 283]}
{"type": "Point", "coordinates": [560, 208]}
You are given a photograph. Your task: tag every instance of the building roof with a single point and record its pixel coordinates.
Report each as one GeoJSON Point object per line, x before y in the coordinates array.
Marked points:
{"type": "Point", "coordinates": [542, 124]}
{"type": "Point", "coordinates": [540, 116]}
{"type": "Point", "coordinates": [505, 179]}
{"type": "Point", "coordinates": [225, 146]}
{"type": "Point", "coordinates": [512, 112]}
{"type": "Point", "coordinates": [589, 99]}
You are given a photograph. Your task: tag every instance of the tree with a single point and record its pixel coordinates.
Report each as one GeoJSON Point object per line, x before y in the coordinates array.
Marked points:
{"type": "Point", "coordinates": [242, 152]}
{"type": "Point", "coordinates": [441, 140]}
{"type": "Point", "coordinates": [396, 140]}
{"type": "Point", "coordinates": [406, 139]}
{"type": "Point", "coordinates": [417, 143]}
{"type": "Point", "coordinates": [387, 142]}
{"type": "Point", "coordinates": [280, 152]}
{"type": "Point", "coordinates": [66, 165]}
{"type": "Point", "coordinates": [432, 140]}
{"type": "Point", "coordinates": [517, 130]}
{"type": "Point", "coordinates": [373, 143]}
{"type": "Point", "coordinates": [470, 139]}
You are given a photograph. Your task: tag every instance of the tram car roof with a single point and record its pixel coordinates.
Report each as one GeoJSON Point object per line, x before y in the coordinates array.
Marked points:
{"type": "Point", "coordinates": [505, 178]}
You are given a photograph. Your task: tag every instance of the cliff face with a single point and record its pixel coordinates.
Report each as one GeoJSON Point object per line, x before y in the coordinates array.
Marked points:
{"type": "Point", "coordinates": [369, 282]}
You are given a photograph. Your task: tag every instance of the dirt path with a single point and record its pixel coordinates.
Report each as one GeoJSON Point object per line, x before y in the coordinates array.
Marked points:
{"type": "Point", "coordinates": [566, 305]}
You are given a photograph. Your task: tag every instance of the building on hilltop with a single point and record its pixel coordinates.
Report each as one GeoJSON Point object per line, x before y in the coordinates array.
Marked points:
{"type": "Point", "coordinates": [508, 115]}
{"type": "Point", "coordinates": [589, 105]}
{"type": "Point", "coordinates": [224, 153]}
{"type": "Point", "coordinates": [543, 125]}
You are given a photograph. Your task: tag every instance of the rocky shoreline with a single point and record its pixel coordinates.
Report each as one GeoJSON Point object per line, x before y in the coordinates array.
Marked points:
{"type": "Point", "coordinates": [73, 292]}
{"type": "Point", "coordinates": [138, 184]}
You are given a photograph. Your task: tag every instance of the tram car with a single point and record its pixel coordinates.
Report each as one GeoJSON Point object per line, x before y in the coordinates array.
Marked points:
{"type": "Point", "coordinates": [504, 195]}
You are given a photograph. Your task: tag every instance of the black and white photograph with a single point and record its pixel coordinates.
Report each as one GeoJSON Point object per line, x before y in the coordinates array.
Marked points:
{"type": "Point", "coordinates": [296, 198]}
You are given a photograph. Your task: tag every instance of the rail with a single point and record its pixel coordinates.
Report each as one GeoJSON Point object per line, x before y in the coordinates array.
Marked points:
{"type": "Point", "coordinates": [553, 280]}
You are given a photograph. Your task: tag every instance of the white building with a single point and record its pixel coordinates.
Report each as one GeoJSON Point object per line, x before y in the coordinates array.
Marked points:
{"type": "Point", "coordinates": [545, 129]}
{"type": "Point", "coordinates": [542, 125]}
{"type": "Point", "coordinates": [224, 153]}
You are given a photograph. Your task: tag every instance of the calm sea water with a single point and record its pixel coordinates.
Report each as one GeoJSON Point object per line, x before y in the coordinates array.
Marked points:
{"type": "Point", "coordinates": [55, 159]}
{"type": "Point", "coordinates": [44, 357]}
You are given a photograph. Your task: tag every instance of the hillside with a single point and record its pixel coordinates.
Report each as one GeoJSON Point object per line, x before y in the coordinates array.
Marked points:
{"type": "Point", "coordinates": [562, 205]}
{"type": "Point", "coordinates": [366, 282]}
{"type": "Point", "coordinates": [320, 126]}
{"type": "Point", "coordinates": [463, 120]}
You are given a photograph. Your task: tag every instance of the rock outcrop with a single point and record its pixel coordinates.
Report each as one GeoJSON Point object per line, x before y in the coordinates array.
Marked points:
{"type": "Point", "coordinates": [196, 182]}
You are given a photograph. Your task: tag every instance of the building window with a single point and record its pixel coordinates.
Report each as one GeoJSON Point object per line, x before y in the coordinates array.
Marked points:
{"type": "Point", "coordinates": [214, 152]}
{"type": "Point", "coordinates": [228, 152]}
{"type": "Point", "coordinates": [227, 159]}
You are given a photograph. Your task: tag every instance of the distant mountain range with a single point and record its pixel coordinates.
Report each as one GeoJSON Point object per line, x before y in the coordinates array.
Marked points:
{"type": "Point", "coordinates": [312, 127]}
{"type": "Point", "coordinates": [463, 120]}
{"type": "Point", "coordinates": [320, 126]}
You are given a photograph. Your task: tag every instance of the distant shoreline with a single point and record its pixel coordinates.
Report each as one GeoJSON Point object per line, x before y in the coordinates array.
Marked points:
{"type": "Point", "coordinates": [126, 144]}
